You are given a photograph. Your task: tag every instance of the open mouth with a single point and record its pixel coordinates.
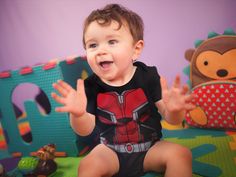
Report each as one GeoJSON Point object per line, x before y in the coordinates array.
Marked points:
{"type": "Point", "coordinates": [105, 64]}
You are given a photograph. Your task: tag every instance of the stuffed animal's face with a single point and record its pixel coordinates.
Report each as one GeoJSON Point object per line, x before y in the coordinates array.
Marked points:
{"type": "Point", "coordinates": [214, 59]}
{"type": "Point", "coordinates": [217, 66]}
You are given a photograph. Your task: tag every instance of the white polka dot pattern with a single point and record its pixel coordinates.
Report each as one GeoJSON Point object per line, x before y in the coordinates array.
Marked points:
{"type": "Point", "coordinates": [218, 102]}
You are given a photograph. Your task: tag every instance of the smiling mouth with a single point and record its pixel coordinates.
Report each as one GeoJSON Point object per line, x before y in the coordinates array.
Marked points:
{"type": "Point", "coordinates": [105, 64]}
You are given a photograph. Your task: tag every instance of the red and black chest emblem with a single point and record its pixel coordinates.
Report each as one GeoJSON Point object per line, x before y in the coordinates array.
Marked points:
{"type": "Point", "coordinates": [125, 111]}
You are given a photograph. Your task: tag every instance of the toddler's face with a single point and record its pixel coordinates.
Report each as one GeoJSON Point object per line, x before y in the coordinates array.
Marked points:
{"type": "Point", "coordinates": [110, 52]}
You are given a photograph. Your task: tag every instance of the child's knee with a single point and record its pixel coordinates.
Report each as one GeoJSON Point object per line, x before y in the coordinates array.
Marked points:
{"type": "Point", "coordinates": [92, 167]}
{"type": "Point", "coordinates": [185, 153]}
{"type": "Point", "coordinates": [89, 163]}
{"type": "Point", "coordinates": [84, 165]}
{"type": "Point", "coordinates": [182, 152]}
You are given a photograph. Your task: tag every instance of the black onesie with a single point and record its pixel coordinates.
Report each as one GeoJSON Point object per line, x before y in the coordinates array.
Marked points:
{"type": "Point", "coordinates": [127, 119]}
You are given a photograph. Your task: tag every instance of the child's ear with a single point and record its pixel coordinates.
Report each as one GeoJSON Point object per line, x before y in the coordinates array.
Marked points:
{"type": "Point", "coordinates": [138, 49]}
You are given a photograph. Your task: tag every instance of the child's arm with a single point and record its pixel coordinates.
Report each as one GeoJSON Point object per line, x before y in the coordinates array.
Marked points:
{"type": "Point", "coordinates": [175, 101]}
{"type": "Point", "coordinates": [75, 103]}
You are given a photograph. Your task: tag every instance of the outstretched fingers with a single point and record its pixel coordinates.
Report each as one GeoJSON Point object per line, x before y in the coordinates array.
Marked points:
{"type": "Point", "coordinates": [61, 109]}
{"type": "Point", "coordinates": [189, 97]}
{"type": "Point", "coordinates": [81, 93]}
{"type": "Point", "coordinates": [164, 85]}
{"type": "Point", "coordinates": [63, 89]}
{"type": "Point", "coordinates": [177, 82]}
{"type": "Point", "coordinates": [185, 89]}
{"type": "Point", "coordinates": [58, 98]}
{"type": "Point", "coordinates": [60, 89]}
{"type": "Point", "coordinates": [188, 102]}
{"type": "Point", "coordinates": [189, 107]}
{"type": "Point", "coordinates": [64, 85]}
{"type": "Point", "coordinates": [80, 87]}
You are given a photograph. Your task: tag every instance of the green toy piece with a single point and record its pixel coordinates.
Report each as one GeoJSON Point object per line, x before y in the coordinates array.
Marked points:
{"type": "Point", "coordinates": [27, 165]}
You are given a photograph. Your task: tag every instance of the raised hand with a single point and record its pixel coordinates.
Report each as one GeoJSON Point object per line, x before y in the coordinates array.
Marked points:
{"type": "Point", "coordinates": [73, 101]}
{"type": "Point", "coordinates": [177, 98]}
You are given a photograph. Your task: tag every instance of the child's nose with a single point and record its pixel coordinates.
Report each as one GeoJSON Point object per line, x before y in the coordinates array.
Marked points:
{"type": "Point", "coordinates": [102, 50]}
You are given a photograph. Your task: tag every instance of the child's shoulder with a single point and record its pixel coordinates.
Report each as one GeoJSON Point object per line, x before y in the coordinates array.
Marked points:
{"type": "Point", "coordinates": [150, 70]}
{"type": "Point", "coordinates": [91, 80]}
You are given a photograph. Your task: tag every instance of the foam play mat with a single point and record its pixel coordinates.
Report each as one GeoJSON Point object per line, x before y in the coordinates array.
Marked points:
{"type": "Point", "coordinates": [214, 153]}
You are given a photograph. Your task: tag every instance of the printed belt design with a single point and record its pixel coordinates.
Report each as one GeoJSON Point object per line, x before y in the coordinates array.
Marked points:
{"type": "Point", "coordinates": [130, 148]}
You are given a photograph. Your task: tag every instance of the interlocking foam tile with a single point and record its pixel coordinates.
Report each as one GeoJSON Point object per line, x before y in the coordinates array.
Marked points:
{"type": "Point", "coordinates": [192, 133]}
{"type": "Point", "coordinates": [168, 126]}
{"type": "Point", "coordinates": [23, 128]}
{"type": "Point", "coordinates": [233, 144]}
{"type": "Point", "coordinates": [4, 154]}
{"type": "Point", "coordinates": [213, 151]}
{"type": "Point", "coordinates": [9, 163]}
{"type": "Point", "coordinates": [42, 76]}
{"type": "Point", "coordinates": [201, 168]}
{"type": "Point", "coordinates": [212, 155]}
{"type": "Point", "coordinates": [67, 167]}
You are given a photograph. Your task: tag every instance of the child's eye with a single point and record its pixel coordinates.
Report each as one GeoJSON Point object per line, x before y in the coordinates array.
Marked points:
{"type": "Point", "coordinates": [112, 42]}
{"type": "Point", "coordinates": [93, 45]}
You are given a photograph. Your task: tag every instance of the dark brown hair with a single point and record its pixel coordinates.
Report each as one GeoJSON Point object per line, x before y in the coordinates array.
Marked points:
{"type": "Point", "coordinates": [119, 14]}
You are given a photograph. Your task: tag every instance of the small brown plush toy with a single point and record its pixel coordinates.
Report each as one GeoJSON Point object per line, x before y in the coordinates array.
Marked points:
{"type": "Point", "coordinates": [213, 80]}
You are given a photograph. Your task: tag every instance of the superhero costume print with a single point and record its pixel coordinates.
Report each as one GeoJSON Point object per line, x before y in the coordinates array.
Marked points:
{"type": "Point", "coordinates": [127, 115]}
{"type": "Point", "coordinates": [127, 111]}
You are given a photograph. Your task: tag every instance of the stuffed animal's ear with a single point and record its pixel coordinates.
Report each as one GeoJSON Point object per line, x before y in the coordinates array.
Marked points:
{"type": "Point", "coordinates": [189, 54]}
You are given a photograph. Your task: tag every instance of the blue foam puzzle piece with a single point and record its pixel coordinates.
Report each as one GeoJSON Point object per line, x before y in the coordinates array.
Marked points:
{"type": "Point", "coordinates": [201, 168]}
{"type": "Point", "coordinates": [192, 133]}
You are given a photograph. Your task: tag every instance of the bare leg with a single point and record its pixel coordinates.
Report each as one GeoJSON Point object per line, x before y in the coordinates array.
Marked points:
{"type": "Point", "coordinates": [173, 159]}
{"type": "Point", "coordinates": [100, 162]}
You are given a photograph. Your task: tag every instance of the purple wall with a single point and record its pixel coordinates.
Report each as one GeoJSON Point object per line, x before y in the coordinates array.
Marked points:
{"type": "Point", "coordinates": [35, 31]}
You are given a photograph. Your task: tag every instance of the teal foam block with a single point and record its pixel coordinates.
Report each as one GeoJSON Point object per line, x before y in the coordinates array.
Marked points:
{"type": "Point", "coordinates": [4, 154]}
{"type": "Point", "coordinates": [50, 128]}
{"type": "Point", "coordinates": [191, 133]}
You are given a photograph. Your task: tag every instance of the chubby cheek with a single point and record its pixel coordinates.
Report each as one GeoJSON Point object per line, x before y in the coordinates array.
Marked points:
{"type": "Point", "coordinates": [91, 64]}
{"type": "Point", "coordinates": [90, 59]}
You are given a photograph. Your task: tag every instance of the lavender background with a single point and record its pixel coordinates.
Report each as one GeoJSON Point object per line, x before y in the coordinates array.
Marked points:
{"type": "Point", "coordinates": [35, 31]}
